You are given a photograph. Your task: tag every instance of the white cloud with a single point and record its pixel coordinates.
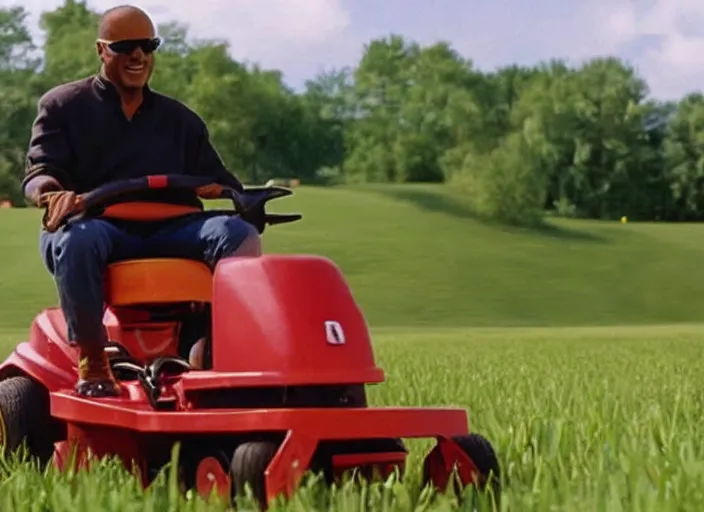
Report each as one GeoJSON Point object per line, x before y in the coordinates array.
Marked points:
{"type": "Point", "coordinates": [672, 34]}
{"type": "Point", "coordinates": [254, 26]}
{"type": "Point", "coordinates": [275, 33]}
{"type": "Point", "coordinates": [282, 34]}
{"type": "Point", "coordinates": [663, 39]}
{"type": "Point", "coordinates": [617, 22]}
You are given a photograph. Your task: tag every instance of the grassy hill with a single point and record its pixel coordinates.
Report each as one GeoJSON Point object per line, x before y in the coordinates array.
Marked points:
{"type": "Point", "coordinates": [414, 256]}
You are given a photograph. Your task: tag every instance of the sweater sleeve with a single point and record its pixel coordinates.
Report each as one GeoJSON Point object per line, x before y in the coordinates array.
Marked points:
{"type": "Point", "coordinates": [49, 153]}
{"type": "Point", "coordinates": [210, 164]}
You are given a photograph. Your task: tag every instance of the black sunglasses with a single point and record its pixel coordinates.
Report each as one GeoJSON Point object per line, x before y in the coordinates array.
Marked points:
{"type": "Point", "coordinates": [127, 46]}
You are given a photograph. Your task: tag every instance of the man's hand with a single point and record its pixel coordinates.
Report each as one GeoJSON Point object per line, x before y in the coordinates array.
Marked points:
{"type": "Point", "coordinates": [40, 185]}
{"type": "Point", "coordinates": [59, 204]}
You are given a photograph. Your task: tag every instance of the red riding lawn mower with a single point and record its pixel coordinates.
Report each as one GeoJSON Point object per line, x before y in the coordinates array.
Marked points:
{"type": "Point", "coordinates": [280, 389]}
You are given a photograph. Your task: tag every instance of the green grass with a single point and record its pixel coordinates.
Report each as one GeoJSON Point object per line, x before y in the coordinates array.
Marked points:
{"type": "Point", "coordinates": [583, 420]}
{"type": "Point", "coordinates": [415, 257]}
{"type": "Point", "coordinates": [586, 414]}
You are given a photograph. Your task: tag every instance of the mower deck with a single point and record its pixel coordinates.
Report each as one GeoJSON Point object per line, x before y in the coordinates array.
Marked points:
{"type": "Point", "coordinates": [346, 423]}
{"type": "Point", "coordinates": [102, 424]}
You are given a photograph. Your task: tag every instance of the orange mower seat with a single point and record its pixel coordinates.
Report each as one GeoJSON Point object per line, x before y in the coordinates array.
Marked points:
{"type": "Point", "coordinates": [158, 281]}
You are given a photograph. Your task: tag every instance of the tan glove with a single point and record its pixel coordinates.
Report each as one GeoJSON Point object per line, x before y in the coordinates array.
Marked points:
{"type": "Point", "coordinates": [57, 206]}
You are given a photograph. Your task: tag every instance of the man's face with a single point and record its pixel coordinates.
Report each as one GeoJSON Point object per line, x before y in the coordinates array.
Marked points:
{"type": "Point", "coordinates": [127, 64]}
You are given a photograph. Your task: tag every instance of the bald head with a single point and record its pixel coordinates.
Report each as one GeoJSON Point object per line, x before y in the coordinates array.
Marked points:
{"type": "Point", "coordinates": [125, 45]}
{"type": "Point", "coordinates": [125, 22]}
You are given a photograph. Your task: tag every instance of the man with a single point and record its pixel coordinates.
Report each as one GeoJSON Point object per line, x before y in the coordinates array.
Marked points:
{"type": "Point", "coordinates": [109, 127]}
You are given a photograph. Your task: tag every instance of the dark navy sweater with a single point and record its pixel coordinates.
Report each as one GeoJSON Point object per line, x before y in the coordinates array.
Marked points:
{"type": "Point", "coordinates": [82, 138]}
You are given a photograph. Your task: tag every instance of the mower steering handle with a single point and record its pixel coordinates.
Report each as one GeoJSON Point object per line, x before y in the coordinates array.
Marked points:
{"type": "Point", "coordinates": [249, 203]}
{"type": "Point", "coordinates": [104, 193]}
{"type": "Point", "coordinates": [253, 197]}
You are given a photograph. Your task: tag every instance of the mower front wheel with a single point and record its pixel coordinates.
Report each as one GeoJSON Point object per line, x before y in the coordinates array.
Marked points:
{"type": "Point", "coordinates": [25, 417]}
{"type": "Point", "coordinates": [249, 462]}
{"type": "Point", "coordinates": [479, 449]}
{"type": "Point", "coordinates": [481, 455]}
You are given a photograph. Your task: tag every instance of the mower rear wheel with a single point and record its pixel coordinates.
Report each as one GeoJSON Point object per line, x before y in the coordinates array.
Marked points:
{"type": "Point", "coordinates": [25, 417]}
{"type": "Point", "coordinates": [249, 462]}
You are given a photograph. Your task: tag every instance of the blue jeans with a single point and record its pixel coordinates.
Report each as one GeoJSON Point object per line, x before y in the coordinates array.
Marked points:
{"type": "Point", "coordinates": [78, 254]}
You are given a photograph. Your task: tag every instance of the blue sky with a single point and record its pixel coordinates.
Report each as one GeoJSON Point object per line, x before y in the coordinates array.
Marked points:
{"type": "Point", "coordinates": [663, 39]}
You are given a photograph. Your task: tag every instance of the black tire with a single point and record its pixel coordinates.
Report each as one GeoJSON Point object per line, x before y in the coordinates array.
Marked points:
{"type": "Point", "coordinates": [483, 455]}
{"type": "Point", "coordinates": [25, 416]}
{"type": "Point", "coordinates": [481, 452]}
{"type": "Point", "coordinates": [248, 464]}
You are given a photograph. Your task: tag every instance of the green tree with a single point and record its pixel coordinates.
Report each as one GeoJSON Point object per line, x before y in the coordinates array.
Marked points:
{"type": "Point", "coordinates": [582, 141]}
{"type": "Point", "coordinates": [18, 72]}
{"type": "Point", "coordinates": [684, 156]}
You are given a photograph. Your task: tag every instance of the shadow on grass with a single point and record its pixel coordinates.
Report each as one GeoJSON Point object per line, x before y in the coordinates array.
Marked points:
{"type": "Point", "coordinates": [444, 202]}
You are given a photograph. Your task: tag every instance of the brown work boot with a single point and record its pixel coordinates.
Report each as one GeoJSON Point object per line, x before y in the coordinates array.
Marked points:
{"type": "Point", "coordinates": [95, 376]}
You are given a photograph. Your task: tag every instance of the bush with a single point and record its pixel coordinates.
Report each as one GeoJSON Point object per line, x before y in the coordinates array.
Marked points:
{"type": "Point", "coordinates": [507, 184]}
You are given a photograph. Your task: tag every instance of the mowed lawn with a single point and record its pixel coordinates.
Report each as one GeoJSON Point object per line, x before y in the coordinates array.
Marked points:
{"type": "Point", "coordinates": [576, 350]}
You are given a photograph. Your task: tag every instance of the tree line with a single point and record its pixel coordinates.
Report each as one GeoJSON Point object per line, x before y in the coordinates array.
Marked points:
{"type": "Point", "coordinates": [585, 141]}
